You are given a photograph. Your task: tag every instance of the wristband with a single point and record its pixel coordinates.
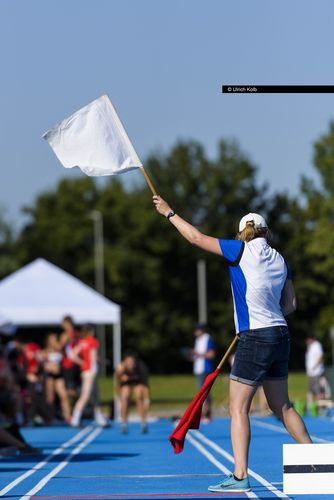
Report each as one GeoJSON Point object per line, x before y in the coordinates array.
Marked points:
{"type": "Point", "coordinates": [171, 214]}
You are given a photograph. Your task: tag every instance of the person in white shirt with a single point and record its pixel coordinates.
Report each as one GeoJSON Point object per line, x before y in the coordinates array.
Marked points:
{"type": "Point", "coordinates": [202, 355]}
{"type": "Point", "coordinates": [314, 367]}
{"type": "Point", "coordinates": [263, 295]}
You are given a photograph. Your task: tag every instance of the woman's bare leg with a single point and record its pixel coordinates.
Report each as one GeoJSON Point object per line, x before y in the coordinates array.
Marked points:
{"type": "Point", "coordinates": [276, 392]}
{"type": "Point", "coordinates": [50, 394]}
{"type": "Point", "coordinates": [64, 401]}
{"type": "Point", "coordinates": [263, 403]}
{"type": "Point", "coordinates": [241, 396]}
{"type": "Point", "coordinates": [87, 380]}
{"type": "Point", "coordinates": [141, 395]}
{"type": "Point", "coordinates": [50, 390]}
{"type": "Point", "coordinates": [125, 393]}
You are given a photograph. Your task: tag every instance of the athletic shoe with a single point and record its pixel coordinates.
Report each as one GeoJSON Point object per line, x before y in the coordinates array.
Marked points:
{"type": "Point", "coordinates": [8, 451]}
{"type": "Point", "coordinates": [124, 429]}
{"type": "Point", "coordinates": [101, 421]}
{"type": "Point", "coordinates": [75, 424]}
{"type": "Point", "coordinates": [144, 429]}
{"type": "Point", "coordinates": [104, 425]}
{"type": "Point", "coordinates": [232, 485]}
{"type": "Point", "coordinates": [28, 451]}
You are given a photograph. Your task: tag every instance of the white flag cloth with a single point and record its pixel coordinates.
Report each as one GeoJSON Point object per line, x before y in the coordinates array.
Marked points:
{"type": "Point", "coordinates": [94, 140]}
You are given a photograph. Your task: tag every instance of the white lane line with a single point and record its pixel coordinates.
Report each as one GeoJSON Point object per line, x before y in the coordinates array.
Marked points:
{"type": "Point", "coordinates": [282, 430]}
{"type": "Point", "coordinates": [140, 476]}
{"type": "Point", "coordinates": [229, 457]}
{"type": "Point", "coordinates": [62, 464]}
{"type": "Point", "coordinates": [41, 464]}
{"type": "Point", "coordinates": [213, 460]}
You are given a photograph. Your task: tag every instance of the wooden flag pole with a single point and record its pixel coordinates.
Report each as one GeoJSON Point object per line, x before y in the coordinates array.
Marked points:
{"type": "Point", "coordinates": [227, 353]}
{"type": "Point", "coordinates": [148, 180]}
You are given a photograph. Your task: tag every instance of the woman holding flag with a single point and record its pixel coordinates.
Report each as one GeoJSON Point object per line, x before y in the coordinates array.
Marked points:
{"type": "Point", "coordinates": [263, 295]}
{"type": "Point", "coordinates": [261, 281]}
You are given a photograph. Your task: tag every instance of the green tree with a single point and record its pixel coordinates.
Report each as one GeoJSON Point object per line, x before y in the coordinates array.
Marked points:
{"type": "Point", "coordinates": [8, 258]}
{"type": "Point", "coordinates": [317, 240]}
{"type": "Point", "coordinates": [60, 227]}
{"type": "Point", "coordinates": [150, 269]}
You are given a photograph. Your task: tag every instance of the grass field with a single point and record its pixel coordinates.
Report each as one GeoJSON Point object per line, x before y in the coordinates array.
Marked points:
{"type": "Point", "coordinates": [174, 392]}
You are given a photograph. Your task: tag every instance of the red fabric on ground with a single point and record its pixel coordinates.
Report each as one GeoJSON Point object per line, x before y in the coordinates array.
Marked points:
{"type": "Point", "coordinates": [192, 416]}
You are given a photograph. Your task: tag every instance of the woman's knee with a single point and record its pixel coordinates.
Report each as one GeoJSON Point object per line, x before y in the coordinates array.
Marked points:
{"type": "Point", "coordinates": [280, 409]}
{"type": "Point", "coordinates": [241, 396]}
{"type": "Point", "coordinates": [238, 408]}
{"type": "Point", "coordinates": [139, 392]}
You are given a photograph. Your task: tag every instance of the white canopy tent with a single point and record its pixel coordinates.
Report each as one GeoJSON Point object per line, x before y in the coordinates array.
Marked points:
{"type": "Point", "coordinates": [41, 294]}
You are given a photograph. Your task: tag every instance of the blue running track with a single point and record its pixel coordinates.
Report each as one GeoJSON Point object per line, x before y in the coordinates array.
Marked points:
{"type": "Point", "coordinates": [91, 463]}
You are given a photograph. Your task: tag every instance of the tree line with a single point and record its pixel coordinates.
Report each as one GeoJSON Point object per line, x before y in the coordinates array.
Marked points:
{"type": "Point", "coordinates": [150, 270]}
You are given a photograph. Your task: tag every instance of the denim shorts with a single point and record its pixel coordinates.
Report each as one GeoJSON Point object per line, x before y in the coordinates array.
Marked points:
{"type": "Point", "coordinates": [262, 354]}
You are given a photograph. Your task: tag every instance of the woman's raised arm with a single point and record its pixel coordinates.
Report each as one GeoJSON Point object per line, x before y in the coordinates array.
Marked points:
{"type": "Point", "coordinates": [188, 231]}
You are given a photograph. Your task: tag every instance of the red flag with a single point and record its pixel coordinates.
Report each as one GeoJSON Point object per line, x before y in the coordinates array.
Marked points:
{"type": "Point", "coordinates": [192, 417]}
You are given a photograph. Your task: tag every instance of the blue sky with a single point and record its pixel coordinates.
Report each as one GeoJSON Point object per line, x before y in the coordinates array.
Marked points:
{"type": "Point", "coordinates": [163, 62]}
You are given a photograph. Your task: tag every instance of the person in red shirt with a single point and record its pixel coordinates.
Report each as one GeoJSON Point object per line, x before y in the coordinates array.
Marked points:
{"type": "Point", "coordinates": [34, 373]}
{"type": "Point", "coordinates": [85, 354]}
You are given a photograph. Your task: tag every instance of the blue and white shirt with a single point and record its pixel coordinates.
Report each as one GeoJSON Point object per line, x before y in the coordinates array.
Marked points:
{"type": "Point", "coordinates": [258, 274]}
{"type": "Point", "coordinates": [203, 344]}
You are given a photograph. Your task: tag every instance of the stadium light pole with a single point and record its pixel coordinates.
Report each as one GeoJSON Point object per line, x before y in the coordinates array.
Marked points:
{"type": "Point", "coordinates": [201, 291]}
{"type": "Point", "coordinates": [331, 333]}
{"type": "Point", "coordinates": [97, 218]}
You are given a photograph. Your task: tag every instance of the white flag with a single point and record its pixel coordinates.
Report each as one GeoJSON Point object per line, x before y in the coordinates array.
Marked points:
{"type": "Point", "coordinates": [94, 140]}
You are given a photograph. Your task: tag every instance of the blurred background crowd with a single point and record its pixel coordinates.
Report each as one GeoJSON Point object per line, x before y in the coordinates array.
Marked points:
{"type": "Point", "coordinates": [42, 384]}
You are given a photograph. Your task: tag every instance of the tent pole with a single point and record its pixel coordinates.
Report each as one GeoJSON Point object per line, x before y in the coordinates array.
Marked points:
{"type": "Point", "coordinates": [117, 357]}
{"type": "Point", "coordinates": [97, 218]}
{"type": "Point", "coordinates": [101, 334]}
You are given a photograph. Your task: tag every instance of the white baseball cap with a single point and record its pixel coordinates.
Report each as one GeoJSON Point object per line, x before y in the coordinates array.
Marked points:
{"type": "Point", "coordinates": [258, 220]}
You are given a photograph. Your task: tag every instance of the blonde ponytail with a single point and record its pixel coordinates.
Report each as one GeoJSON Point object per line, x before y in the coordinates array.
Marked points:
{"type": "Point", "coordinates": [250, 232]}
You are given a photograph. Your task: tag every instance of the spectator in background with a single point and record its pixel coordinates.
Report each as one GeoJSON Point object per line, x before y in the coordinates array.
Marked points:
{"type": "Point", "coordinates": [85, 354]}
{"type": "Point", "coordinates": [37, 406]}
{"type": "Point", "coordinates": [132, 374]}
{"type": "Point", "coordinates": [69, 338]}
{"type": "Point", "coordinates": [12, 443]}
{"type": "Point", "coordinates": [203, 354]}
{"type": "Point", "coordinates": [15, 360]}
{"type": "Point", "coordinates": [54, 377]}
{"type": "Point", "coordinates": [314, 368]}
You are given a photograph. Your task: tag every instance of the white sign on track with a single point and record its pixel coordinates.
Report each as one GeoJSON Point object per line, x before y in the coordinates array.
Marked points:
{"type": "Point", "coordinates": [308, 469]}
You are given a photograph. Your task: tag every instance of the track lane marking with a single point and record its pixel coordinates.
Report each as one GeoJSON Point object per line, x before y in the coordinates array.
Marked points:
{"type": "Point", "coordinates": [137, 476]}
{"type": "Point", "coordinates": [105, 496]}
{"type": "Point", "coordinates": [41, 464]}
{"type": "Point", "coordinates": [282, 430]}
{"type": "Point", "coordinates": [229, 457]}
{"type": "Point", "coordinates": [214, 461]}
{"type": "Point", "coordinates": [61, 465]}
